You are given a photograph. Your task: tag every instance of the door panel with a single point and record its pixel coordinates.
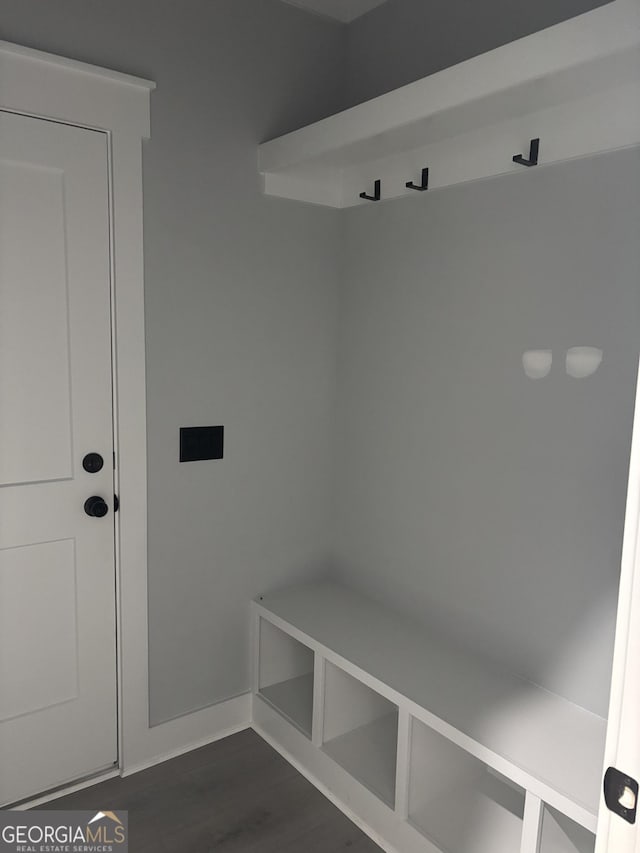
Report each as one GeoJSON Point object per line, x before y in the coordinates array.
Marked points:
{"type": "Point", "coordinates": [38, 580]}
{"type": "Point", "coordinates": [34, 329]}
{"type": "Point", "coordinates": [57, 577]}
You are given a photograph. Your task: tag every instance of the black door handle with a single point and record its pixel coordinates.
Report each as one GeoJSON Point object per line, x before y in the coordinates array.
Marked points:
{"type": "Point", "coordinates": [96, 507]}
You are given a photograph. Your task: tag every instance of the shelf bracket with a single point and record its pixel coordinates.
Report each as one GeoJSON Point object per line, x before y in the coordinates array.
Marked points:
{"type": "Point", "coordinates": [410, 185]}
{"type": "Point", "coordinates": [534, 151]}
{"type": "Point", "coordinates": [376, 193]}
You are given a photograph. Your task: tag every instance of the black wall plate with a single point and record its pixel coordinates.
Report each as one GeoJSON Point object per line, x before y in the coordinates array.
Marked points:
{"type": "Point", "coordinates": [198, 443]}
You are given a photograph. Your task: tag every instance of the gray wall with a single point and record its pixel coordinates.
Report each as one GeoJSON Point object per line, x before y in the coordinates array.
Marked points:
{"type": "Point", "coordinates": [488, 504]}
{"type": "Point", "coordinates": [404, 40]}
{"type": "Point", "coordinates": [240, 310]}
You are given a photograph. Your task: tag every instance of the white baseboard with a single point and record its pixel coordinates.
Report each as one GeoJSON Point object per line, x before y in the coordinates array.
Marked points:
{"type": "Point", "coordinates": [174, 738]}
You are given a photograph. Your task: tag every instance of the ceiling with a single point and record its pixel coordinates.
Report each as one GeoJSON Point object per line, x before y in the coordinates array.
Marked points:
{"type": "Point", "coordinates": [341, 10]}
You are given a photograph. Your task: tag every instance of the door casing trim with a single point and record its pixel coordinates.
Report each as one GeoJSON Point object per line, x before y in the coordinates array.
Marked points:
{"type": "Point", "coordinates": [50, 87]}
{"type": "Point", "coordinates": [58, 89]}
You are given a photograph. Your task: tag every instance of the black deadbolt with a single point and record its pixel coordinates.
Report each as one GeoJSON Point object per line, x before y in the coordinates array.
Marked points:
{"type": "Point", "coordinates": [92, 463]}
{"type": "Point", "coordinates": [96, 506]}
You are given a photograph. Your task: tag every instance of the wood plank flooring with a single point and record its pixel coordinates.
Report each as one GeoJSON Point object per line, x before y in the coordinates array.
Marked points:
{"type": "Point", "coordinates": [234, 796]}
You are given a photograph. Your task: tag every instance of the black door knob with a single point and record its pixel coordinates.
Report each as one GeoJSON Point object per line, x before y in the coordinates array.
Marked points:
{"type": "Point", "coordinates": [96, 506]}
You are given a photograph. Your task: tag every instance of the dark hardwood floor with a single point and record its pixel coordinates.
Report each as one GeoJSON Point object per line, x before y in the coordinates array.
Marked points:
{"type": "Point", "coordinates": [234, 796]}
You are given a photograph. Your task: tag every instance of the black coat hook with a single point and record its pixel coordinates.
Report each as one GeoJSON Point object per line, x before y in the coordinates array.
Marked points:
{"type": "Point", "coordinates": [534, 151]}
{"type": "Point", "coordinates": [420, 187]}
{"type": "Point", "coordinates": [376, 193]}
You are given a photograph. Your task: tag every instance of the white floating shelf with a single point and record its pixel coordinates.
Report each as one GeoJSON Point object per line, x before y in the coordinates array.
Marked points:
{"type": "Point", "coordinates": [539, 741]}
{"type": "Point", "coordinates": [575, 85]}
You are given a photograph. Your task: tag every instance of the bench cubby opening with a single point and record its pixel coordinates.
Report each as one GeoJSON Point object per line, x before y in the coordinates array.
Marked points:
{"type": "Point", "coordinates": [562, 835]}
{"type": "Point", "coordinates": [285, 675]}
{"type": "Point", "coordinates": [457, 801]}
{"type": "Point", "coordinates": [360, 732]}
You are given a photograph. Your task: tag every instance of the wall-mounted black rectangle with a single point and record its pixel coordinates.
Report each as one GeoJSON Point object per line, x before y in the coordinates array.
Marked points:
{"type": "Point", "coordinates": [201, 443]}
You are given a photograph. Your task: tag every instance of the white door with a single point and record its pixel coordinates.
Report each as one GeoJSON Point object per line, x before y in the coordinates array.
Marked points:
{"type": "Point", "coordinates": [617, 834]}
{"type": "Point", "coordinates": [57, 578]}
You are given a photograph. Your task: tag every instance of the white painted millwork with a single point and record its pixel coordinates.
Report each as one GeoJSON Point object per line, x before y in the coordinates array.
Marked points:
{"type": "Point", "coordinates": [317, 720]}
{"type": "Point", "coordinates": [532, 824]}
{"type": "Point", "coordinates": [58, 701]}
{"type": "Point", "coordinates": [458, 754]}
{"type": "Point", "coordinates": [403, 766]}
{"type": "Point", "coordinates": [575, 85]}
